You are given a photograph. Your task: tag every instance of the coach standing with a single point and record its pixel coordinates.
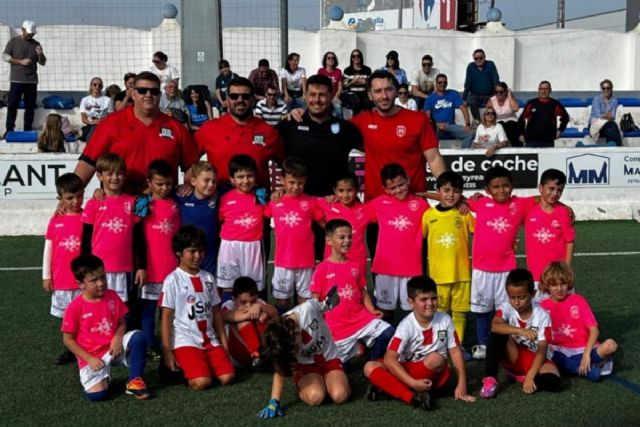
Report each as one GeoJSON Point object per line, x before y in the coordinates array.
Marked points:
{"type": "Point", "coordinates": [24, 53]}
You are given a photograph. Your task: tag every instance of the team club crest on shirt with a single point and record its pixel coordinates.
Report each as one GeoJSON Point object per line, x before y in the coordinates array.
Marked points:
{"type": "Point", "coordinates": [413, 205]}
{"type": "Point", "coordinates": [401, 131]}
{"type": "Point", "coordinates": [354, 272]}
{"type": "Point", "coordinates": [258, 140]}
{"type": "Point", "coordinates": [304, 205]}
{"type": "Point", "coordinates": [166, 133]}
{"type": "Point", "coordinates": [457, 222]}
{"type": "Point", "coordinates": [512, 208]}
{"type": "Point", "coordinates": [575, 312]}
{"type": "Point", "coordinates": [313, 325]}
{"type": "Point", "coordinates": [191, 299]}
{"type": "Point", "coordinates": [442, 336]}
{"type": "Point", "coordinates": [335, 128]}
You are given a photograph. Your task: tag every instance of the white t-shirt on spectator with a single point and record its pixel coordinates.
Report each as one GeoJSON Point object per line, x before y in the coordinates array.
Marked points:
{"type": "Point", "coordinates": [489, 136]}
{"type": "Point", "coordinates": [168, 73]}
{"type": "Point", "coordinates": [410, 105]}
{"type": "Point", "coordinates": [96, 108]}
{"type": "Point", "coordinates": [293, 80]}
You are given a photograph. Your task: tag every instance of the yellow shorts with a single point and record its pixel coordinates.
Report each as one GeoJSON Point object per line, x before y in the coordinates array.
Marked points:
{"type": "Point", "coordinates": [454, 296]}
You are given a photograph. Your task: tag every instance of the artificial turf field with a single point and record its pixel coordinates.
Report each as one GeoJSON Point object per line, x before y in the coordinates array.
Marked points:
{"type": "Point", "coordinates": [35, 392]}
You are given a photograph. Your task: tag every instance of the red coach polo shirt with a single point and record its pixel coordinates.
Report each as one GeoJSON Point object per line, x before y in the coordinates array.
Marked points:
{"type": "Point", "coordinates": [401, 138]}
{"type": "Point", "coordinates": [123, 134]}
{"type": "Point", "coordinates": [223, 138]}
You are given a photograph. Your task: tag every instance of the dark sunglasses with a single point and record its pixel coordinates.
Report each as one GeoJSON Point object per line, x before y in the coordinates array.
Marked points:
{"type": "Point", "coordinates": [403, 92]}
{"type": "Point", "coordinates": [489, 114]}
{"type": "Point", "coordinates": [96, 84]}
{"type": "Point", "coordinates": [356, 56]}
{"type": "Point", "coordinates": [606, 88]}
{"type": "Point", "coordinates": [331, 57]}
{"type": "Point", "coordinates": [499, 91]}
{"type": "Point", "coordinates": [235, 96]}
{"type": "Point", "coordinates": [427, 64]}
{"type": "Point", "coordinates": [478, 58]}
{"type": "Point", "coordinates": [156, 61]}
{"type": "Point", "coordinates": [441, 83]}
{"type": "Point", "coordinates": [144, 90]}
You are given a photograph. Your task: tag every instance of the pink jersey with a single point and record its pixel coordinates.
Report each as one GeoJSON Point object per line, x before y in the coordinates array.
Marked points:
{"type": "Point", "coordinates": [317, 343]}
{"type": "Point", "coordinates": [241, 217]}
{"type": "Point", "coordinates": [571, 320]}
{"type": "Point", "coordinates": [65, 233]}
{"type": "Point", "coordinates": [94, 323]}
{"type": "Point", "coordinates": [539, 322]}
{"type": "Point", "coordinates": [292, 217]}
{"type": "Point", "coordinates": [356, 217]}
{"type": "Point", "coordinates": [413, 343]}
{"type": "Point", "coordinates": [160, 225]}
{"type": "Point", "coordinates": [546, 237]}
{"type": "Point", "coordinates": [113, 221]}
{"type": "Point", "coordinates": [350, 315]}
{"type": "Point", "coordinates": [399, 249]}
{"type": "Point", "coordinates": [497, 226]}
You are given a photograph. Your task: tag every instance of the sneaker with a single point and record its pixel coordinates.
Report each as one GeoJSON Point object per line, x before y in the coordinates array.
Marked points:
{"type": "Point", "coordinates": [65, 358]}
{"type": "Point", "coordinates": [376, 394]}
{"type": "Point", "coordinates": [136, 387]}
{"type": "Point", "coordinates": [479, 352]}
{"type": "Point", "coordinates": [256, 362]}
{"type": "Point", "coordinates": [422, 401]}
{"type": "Point", "coordinates": [489, 387]}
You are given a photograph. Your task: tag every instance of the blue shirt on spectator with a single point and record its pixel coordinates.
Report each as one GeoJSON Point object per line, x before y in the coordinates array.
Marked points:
{"type": "Point", "coordinates": [599, 107]}
{"type": "Point", "coordinates": [480, 82]}
{"type": "Point", "coordinates": [442, 108]}
{"type": "Point", "coordinates": [401, 75]}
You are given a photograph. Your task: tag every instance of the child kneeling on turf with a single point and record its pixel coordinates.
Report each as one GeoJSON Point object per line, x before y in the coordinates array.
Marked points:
{"type": "Point", "coordinates": [94, 330]}
{"type": "Point", "coordinates": [246, 318]}
{"type": "Point", "coordinates": [300, 345]}
{"type": "Point", "coordinates": [518, 340]}
{"type": "Point", "coordinates": [355, 320]}
{"type": "Point", "coordinates": [193, 336]}
{"type": "Point", "coordinates": [416, 360]}
{"type": "Point", "coordinates": [574, 329]}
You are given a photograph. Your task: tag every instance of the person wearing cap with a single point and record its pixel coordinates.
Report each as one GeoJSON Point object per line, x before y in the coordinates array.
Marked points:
{"type": "Point", "coordinates": [24, 53]}
{"type": "Point", "coordinates": [393, 66]}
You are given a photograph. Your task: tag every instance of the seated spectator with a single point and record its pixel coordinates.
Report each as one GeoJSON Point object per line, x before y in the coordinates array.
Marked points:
{"type": "Point", "coordinates": [403, 100]}
{"type": "Point", "coordinates": [172, 104]}
{"type": "Point", "coordinates": [262, 77]}
{"type": "Point", "coordinates": [164, 71]}
{"type": "Point", "coordinates": [271, 109]}
{"type": "Point", "coordinates": [125, 98]}
{"type": "Point", "coordinates": [538, 122]}
{"type": "Point", "coordinates": [222, 83]}
{"type": "Point", "coordinates": [94, 108]}
{"type": "Point", "coordinates": [354, 83]}
{"type": "Point", "coordinates": [198, 110]}
{"type": "Point", "coordinates": [112, 91]}
{"type": "Point", "coordinates": [331, 70]}
{"type": "Point", "coordinates": [294, 80]}
{"type": "Point", "coordinates": [441, 107]}
{"type": "Point", "coordinates": [481, 78]}
{"type": "Point", "coordinates": [490, 134]}
{"type": "Point", "coordinates": [393, 66]}
{"type": "Point", "coordinates": [603, 115]}
{"type": "Point", "coordinates": [506, 107]}
{"type": "Point", "coordinates": [423, 79]}
{"type": "Point", "coordinates": [51, 139]}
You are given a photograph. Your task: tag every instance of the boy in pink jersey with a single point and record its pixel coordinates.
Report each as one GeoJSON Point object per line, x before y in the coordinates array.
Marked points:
{"type": "Point", "coordinates": [347, 206]}
{"type": "Point", "coordinates": [574, 328]}
{"type": "Point", "coordinates": [61, 246]}
{"type": "Point", "coordinates": [399, 250]}
{"type": "Point", "coordinates": [160, 224]}
{"type": "Point", "coordinates": [241, 214]}
{"type": "Point", "coordinates": [94, 330]}
{"type": "Point", "coordinates": [111, 228]}
{"type": "Point", "coordinates": [498, 219]}
{"type": "Point", "coordinates": [548, 228]}
{"type": "Point", "coordinates": [518, 340]}
{"type": "Point", "coordinates": [293, 215]}
{"type": "Point", "coordinates": [192, 329]}
{"type": "Point", "coordinates": [355, 321]}
{"type": "Point", "coordinates": [416, 360]}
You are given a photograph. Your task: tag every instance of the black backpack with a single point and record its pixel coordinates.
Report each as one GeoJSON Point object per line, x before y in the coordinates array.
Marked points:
{"type": "Point", "coordinates": [627, 124]}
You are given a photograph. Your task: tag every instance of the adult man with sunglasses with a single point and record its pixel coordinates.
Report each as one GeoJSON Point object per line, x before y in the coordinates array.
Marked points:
{"type": "Point", "coordinates": [480, 80]}
{"type": "Point", "coordinates": [140, 134]}
{"type": "Point", "coordinates": [423, 80]}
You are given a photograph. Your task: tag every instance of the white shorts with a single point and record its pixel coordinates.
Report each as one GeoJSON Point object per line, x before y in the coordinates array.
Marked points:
{"type": "Point", "coordinates": [61, 299]}
{"type": "Point", "coordinates": [121, 283]}
{"type": "Point", "coordinates": [388, 289]}
{"type": "Point", "coordinates": [150, 291]}
{"type": "Point", "coordinates": [236, 259]}
{"type": "Point", "coordinates": [285, 280]}
{"type": "Point", "coordinates": [488, 290]}
{"type": "Point", "coordinates": [89, 378]}
{"type": "Point", "coordinates": [349, 346]}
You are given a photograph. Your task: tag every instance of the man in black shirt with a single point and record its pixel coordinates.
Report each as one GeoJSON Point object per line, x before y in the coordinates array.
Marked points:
{"type": "Point", "coordinates": [539, 119]}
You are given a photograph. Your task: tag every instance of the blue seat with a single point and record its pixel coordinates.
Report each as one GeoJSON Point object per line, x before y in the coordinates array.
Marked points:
{"type": "Point", "coordinates": [629, 102]}
{"type": "Point", "coordinates": [589, 101]}
{"type": "Point", "coordinates": [70, 138]}
{"type": "Point", "coordinates": [522, 103]}
{"type": "Point", "coordinates": [573, 133]}
{"type": "Point", "coordinates": [632, 134]}
{"type": "Point", "coordinates": [22, 136]}
{"type": "Point", "coordinates": [573, 102]}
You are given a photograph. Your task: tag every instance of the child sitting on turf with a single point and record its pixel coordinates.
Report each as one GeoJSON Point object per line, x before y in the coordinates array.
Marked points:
{"type": "Point", "coordinates": [355, 320]}
{"type": "Point", "coordinates": [447, 232]}
{"type": "Point", "coordinates": [416, 360]}
{"type": "Point", "coordinates": [299, 344]}
{"type": "Point", "coordinates": [200, 208]}
{"type": "Point", "coordinates": [347, 206]}
{"type": "Point", "coordinates": [246, 318]}
{"type": "Point", "coordinates": [193, 336]}
{"type": "Point", "coordinates": [574, 329]}
{"type": "Point", "coordinates": [61, 246]}
{"type": "Point", "coordinates": [111, 228]}
{"type": "Point", "coordinates": [94, 330]}
{"type": "Point", "coordinates": [293, 215]}
{"type": "Point", "coordinates": [398, 255]}
{"type": "Point", "coordinates": [160, 224]}
{"type": "Point", "coordinates": [241, 214]}
{"type": "Point", "coordinates": [498, 219]}
{"type": "Point", "coordinates": [518, 340]}
{"type": "Point", "coordinates": [548, 228]}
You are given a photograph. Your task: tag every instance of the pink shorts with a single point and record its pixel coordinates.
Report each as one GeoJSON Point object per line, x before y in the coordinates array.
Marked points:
{"type": "Point", "coordinates": [198, 363]}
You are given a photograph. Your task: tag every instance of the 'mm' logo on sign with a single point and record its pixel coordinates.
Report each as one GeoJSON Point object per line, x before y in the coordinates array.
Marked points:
{"type": "Point", "coordinates": [588, 169]}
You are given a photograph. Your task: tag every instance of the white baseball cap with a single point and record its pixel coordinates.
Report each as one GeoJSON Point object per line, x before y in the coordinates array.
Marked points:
{"type": "Point", "coordinates": [29, 27]}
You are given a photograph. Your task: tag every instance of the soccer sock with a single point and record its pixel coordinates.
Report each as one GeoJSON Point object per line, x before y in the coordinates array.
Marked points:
{"type": "Point", "coordinates": [459, 323]}
{"type": "Point", "coordinates": [149, 321]}
{"type": "Point", "coordinates": [483, 326]}
{"type": "Point", "coordinates": [136, 355]}
{"type": "Point", "coordinates": [496, 345]}
{"type": "Point", "coordinates": [547, 382]}
{"type": "Point", "coordinates": [98, 395]}
{"type": "Point", "coordinates": [250, 337]}
{"type": "Point", "coordinates": [381, 343]}
{"type": "Point", "coordinates": [385, 380]}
